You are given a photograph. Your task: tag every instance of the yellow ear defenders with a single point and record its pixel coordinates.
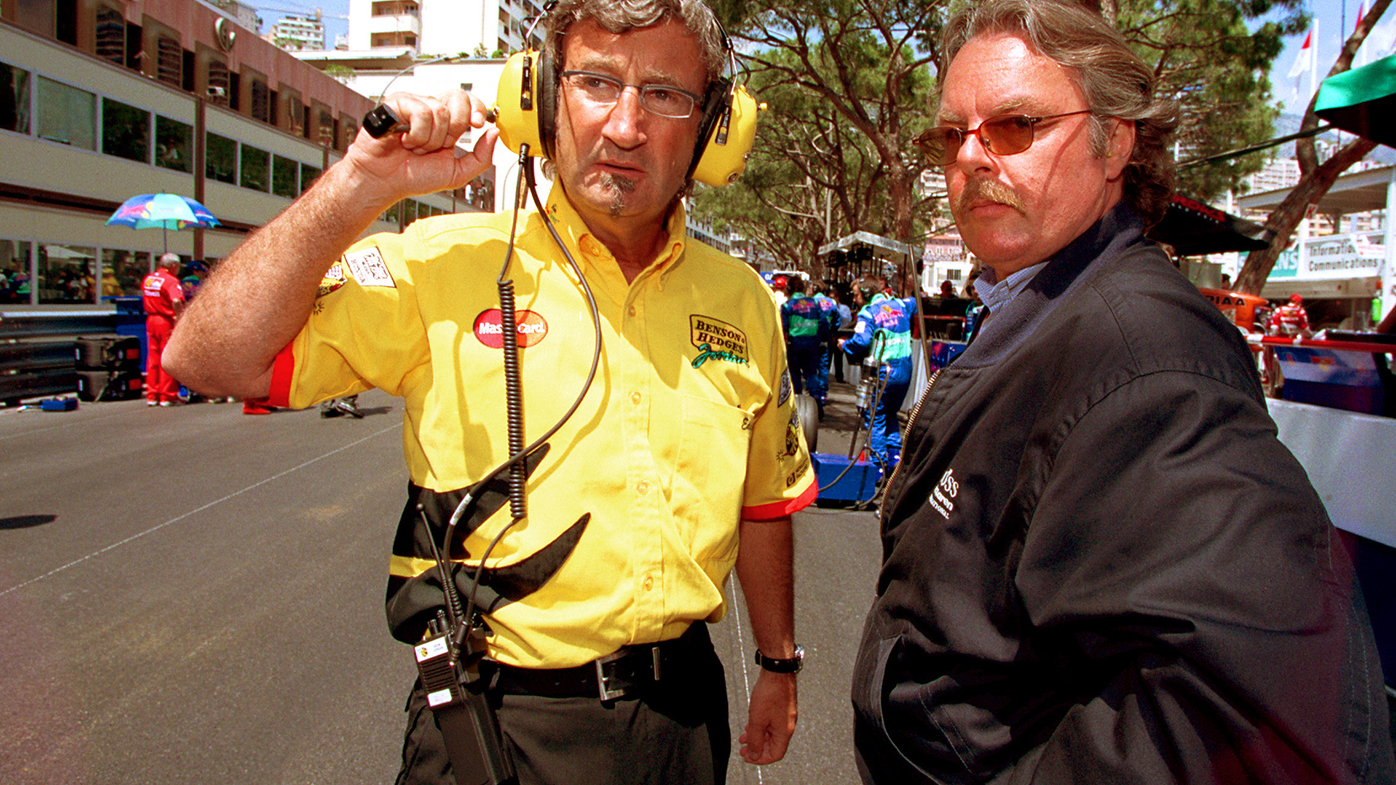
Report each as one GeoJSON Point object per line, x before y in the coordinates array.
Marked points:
{"type": "Point", "coordinates": [526, 104]}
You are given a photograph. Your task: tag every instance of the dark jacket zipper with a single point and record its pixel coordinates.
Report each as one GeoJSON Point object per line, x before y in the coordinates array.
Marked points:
{"type": "Point", "coordinates": [915, 413]}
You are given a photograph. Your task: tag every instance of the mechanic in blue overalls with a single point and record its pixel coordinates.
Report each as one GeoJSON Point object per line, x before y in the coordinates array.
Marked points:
{"type": "Point", "coordinates": [884, 329]}
{"type": "Point", "coordinates": [806, 335]}
{"type": "Point", "coordinates": [829, 307]}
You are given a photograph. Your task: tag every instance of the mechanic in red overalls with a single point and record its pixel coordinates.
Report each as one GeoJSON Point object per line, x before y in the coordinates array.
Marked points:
{"type": "Point", "coordinates": [164, 302]}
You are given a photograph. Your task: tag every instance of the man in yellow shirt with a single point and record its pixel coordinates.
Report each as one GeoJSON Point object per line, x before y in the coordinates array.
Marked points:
{"type": "Point", "coordinates": [681, 462]}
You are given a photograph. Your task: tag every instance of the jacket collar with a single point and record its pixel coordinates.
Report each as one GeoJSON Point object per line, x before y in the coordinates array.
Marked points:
{"type": "Point", "coordinates": [1120, 228]}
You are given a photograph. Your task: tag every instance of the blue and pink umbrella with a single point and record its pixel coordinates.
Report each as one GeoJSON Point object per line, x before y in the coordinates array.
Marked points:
{"type": "Point", "coordinates": [167, 211]}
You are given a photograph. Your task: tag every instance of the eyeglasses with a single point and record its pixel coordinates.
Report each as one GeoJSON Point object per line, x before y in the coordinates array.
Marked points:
{"type": "Point", "coordinates": [663, 100]}
{"type": "Point", "coordinates": [1004, 135]}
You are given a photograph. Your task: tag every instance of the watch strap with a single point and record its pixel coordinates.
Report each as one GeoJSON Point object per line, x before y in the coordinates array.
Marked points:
{"type": "Point", "coordinates": [791, 665]}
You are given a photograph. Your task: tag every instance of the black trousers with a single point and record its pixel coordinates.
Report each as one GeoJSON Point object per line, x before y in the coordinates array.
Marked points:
{"type": "Point", "coordinates": [673, 731]}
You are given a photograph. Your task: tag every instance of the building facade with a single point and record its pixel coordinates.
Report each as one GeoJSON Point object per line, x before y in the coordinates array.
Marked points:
{"type": "Point", "coordinates": [296, 33]}
{"type": "Point", "coordinates": [103, 100]}
{"type": "Point", "coordinates": [434, 27]}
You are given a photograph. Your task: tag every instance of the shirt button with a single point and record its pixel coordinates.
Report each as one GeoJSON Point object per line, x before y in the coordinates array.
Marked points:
{"type": "Point", "coordinates": [635, 398]}
{"type": "Point", "coordinates": [642, 487]}
{"type": "Point", "coordinates": [631, 310]}
{"type": "Point", "coordinates": [649, 582]}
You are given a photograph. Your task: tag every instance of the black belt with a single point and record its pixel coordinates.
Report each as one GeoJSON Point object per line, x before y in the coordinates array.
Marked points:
{"type": "Point", "coordinates": [613, 676]}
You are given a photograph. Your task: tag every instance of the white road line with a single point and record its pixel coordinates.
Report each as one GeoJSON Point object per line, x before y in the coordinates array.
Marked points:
{"type": "Point", "coordinates": [742, 658]}
{"type": "Point", "coordinates": [179, 518]}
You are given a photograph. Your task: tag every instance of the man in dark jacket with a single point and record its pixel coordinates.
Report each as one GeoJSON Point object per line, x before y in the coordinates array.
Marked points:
{"type": "Point", "coordinates": [1100, 564]}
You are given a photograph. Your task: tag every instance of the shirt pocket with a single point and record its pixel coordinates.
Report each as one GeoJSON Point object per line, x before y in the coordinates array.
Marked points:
{"type": "Point", "coordinates": [709, 475]}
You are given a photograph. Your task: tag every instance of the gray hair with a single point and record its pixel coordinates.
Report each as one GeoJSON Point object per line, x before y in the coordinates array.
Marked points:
{"type": "Point", "coordinates": [168, 259]}
{"type": "Point", "coordinates": [620, 16]}
{"type": "Point", "coordinates": [1116, 82]}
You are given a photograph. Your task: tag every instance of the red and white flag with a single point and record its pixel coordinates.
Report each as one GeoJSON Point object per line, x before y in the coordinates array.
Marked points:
{"type": "Point", "coordinates": [1305, 60]}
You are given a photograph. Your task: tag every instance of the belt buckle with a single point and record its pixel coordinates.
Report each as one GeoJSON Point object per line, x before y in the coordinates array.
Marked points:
{"type": "Point", "coordinates": [603, 677]}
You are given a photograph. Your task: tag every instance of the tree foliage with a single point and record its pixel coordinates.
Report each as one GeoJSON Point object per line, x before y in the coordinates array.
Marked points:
{"type": "Point", "coordinates": [848, 85]}
{"type": "Point", "coordinates": [1314, 178]}
{"type": "Point", "coordinates": [1209, 61]}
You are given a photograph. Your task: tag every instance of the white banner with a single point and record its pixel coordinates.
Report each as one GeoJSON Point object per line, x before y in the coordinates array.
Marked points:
{"type": "Point", "coordinates": [1332, 257]}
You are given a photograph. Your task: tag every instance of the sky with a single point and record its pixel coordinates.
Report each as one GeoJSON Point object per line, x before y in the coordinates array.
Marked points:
{"type": "Point", "coordinates": [1334, 28]}
{"type": "Point", "coordinates": [1332, 32]}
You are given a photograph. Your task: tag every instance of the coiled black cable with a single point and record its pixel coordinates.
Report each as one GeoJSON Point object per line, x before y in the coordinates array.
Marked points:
{"type": "Point", "coordinates": [517, 456]}
{"type": "Point", "coordinates": [513, 396]}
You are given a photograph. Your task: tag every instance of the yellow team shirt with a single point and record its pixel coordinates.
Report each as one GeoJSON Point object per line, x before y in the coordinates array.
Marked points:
{"type": "Point", "coordinates": [688, 427]}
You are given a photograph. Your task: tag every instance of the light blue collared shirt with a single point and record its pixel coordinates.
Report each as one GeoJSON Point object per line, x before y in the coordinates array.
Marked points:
{"type": "Point", "coordinates": [995, 293]}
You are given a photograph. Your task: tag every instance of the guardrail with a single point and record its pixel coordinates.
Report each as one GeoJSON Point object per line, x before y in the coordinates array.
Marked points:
{"type": "Point", "coordinates": [37, 350]}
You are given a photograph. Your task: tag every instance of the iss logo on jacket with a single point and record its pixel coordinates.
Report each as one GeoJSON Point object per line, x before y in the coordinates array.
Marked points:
{"type": "Point", "coordinates": [942, 497]}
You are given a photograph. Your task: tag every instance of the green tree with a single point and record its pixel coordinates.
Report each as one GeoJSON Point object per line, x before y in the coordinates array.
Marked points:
{"type": "Point", "coordinates": [848, 85]}
{"type": "Point", "coordinates": [1314, 178]}
{"type": "Point", "coordinates": [813, 172]}
{"type": "Point", "coordinates": [845, 84]}
{"type": "Point", "coordinates": [1209, 61]}
{"type": "Point", "coordinates": [339, 72]}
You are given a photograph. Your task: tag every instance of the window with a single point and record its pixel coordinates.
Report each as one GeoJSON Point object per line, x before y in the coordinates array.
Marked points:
{"type": "Point", "coordinates": [220, 88]}
{"type": "Point", "coordinates": [479, 192]}
{"type": "Point", "coordinates": [284, 176]}
{"type": "Point", "coordinates": [123, 271]}
{"type": "Point", "coordinates": [174, 145]}
{"type": "Point", "coordinates": [65, 26]}
{"type": "Point", "coordinates": [256, 168]}
{"type": "Point", "coordinates": [220, 159]}
{"type": "Point", "coordinates": [67, 274]}
{"type": "Point", "coordinates": [309, 174]}
{"type": "Point", "coordinates": [347, 128]}
{"type": "Point", "coordinates": [125, 131]}
{"type": "Point", "coordinates": [259, 97]}
{"type": "Point", "coordinates": [14, 272]}
{"type": "Point", "coordinates": [169, 60]}
{"type": "Point", "coordinates": [324, 122]}
{"type": "Point", "coordinates": [293, 111]}
{"type": "Point", "coordinates": [67, 115]}
{"type": "Point", "coordinates": [14, 98]}
{"type": "Point", "coordinates": [111, 35]}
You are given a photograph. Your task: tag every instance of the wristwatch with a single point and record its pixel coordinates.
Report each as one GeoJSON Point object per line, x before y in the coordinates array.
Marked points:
{"type": "Point", "coordinates": [792, 665]}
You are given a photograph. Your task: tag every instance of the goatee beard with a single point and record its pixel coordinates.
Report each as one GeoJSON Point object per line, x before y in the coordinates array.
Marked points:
{"type": "Point", "coordinates": [617, 188]}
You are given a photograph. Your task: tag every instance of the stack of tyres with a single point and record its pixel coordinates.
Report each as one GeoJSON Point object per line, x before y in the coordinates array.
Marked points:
{"type": "Point", "coordinates": [108, 367]}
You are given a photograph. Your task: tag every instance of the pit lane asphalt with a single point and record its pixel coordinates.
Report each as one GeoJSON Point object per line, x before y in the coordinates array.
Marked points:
{"type": "Point", "coordinates": [192, 595]}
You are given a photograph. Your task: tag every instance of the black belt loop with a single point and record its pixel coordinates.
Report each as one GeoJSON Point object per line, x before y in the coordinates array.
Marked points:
{"type": "Point", "coordinates": [617, 675]}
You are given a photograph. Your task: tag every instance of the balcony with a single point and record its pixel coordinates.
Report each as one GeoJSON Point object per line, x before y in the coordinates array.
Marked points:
{"type": "Point", "coordinates": [405, 24]}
